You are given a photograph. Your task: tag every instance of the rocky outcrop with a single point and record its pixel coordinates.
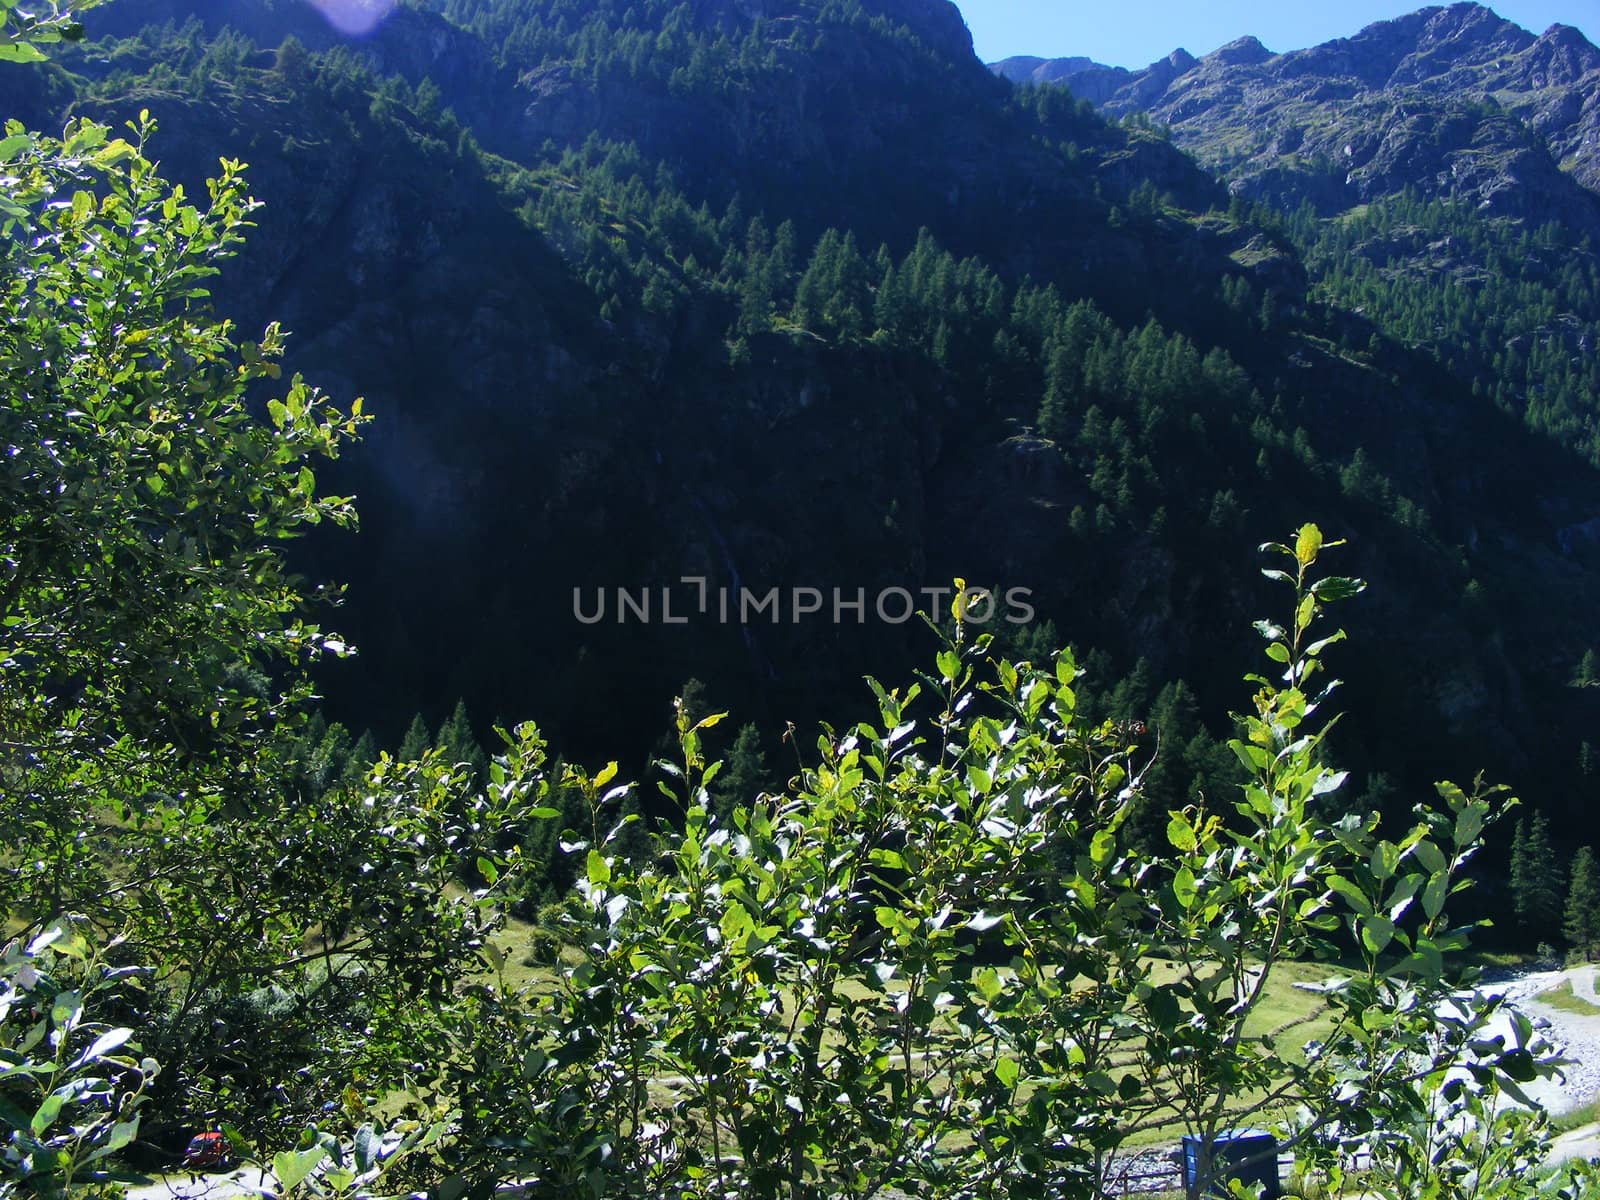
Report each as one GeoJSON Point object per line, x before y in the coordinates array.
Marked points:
{"type": "Point", "coordinates": [1450, 101]}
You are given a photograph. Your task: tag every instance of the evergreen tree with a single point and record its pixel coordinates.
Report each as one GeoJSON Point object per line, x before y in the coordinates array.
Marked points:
{"type": "Point", "coordinates": [361, 757]}
{"type": "Point", "coordinates": [1519, 873]}
{"type": "Point", "coordinates": [293, 60]}
{"type": "Point", "coordinates": [550, 870]}
{"type": "Point", "coordinates": [416, 741]}
{"type": "Point", "coordinates": [459, 744]}
{"type": "Point", "coordinates": [1536, 893]}
{"type": "Point", "coordinates": [1588, 673]}
{"type": "Point", "coordinates": [331, 760]}
{"type": "Point", "coordinates": [1583, 903]}
{"type": "Point", "coordinates": [744, 775]}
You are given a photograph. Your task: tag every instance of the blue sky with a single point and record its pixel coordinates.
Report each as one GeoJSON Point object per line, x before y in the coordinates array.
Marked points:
{"type": "Point", "coordinates": [1134, 33]}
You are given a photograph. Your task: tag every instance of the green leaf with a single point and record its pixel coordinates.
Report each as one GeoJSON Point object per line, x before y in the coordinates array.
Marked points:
{"type": "Point", "coordinates": [66, 1010]}
{"type": "Point", "coordinates": [891, 860]}
{"type": "Point", "coordinates": [1469, 823]}
{"type": "Point", "coordinates": [1184, 889]}
{"type": "Point", "coordinates": [1430, 856]}
{"type": "Point", "coordinates": [1383, 861]}
{"type": "Point", "coordinates": [1376, 933]}
{"type": "Point", "coordinates": [1433, 896]}
{"type": "Point", "coordinates": [122, 1134]}
{"type": "Point", "coordinates": [20, 52]}
{"type": "Point", "coordinates": [599, 870]}
{"type": "Point", "coordinates": [11, 1116]}
{"type": "Point", "coordinates": [292, 1166]}
{"type": "Point", "coordinates": [1352, 894]}
{"type": "Point", "coordinates": [1307, 545]}
{"type": "Point", "coordinates": [1180, 833]}
{"type": "Point", "coordinates": [1100, 1083]}
{"type": "Point", "coordinates": [46, 1114]}
{"type": "Point", "coordinates": [1162, 1005]}
{"type": "Point", "coordinates": [1519, 1065]}
{"type": "Point", "coordinates": [103, 1045]}
{"type": "Point", "coordinates": [1102, 847]}
{"type": "Point", "coordinates": [987, 981]}
{"type": "Point", "coordinates": [1007, 1072]}
{"type": "Point", "coordinates": [1337, 587]}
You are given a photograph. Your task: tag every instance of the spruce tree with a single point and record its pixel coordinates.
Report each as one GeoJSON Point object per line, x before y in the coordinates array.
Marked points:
{"type": "Point", "coordinates": [416, 741]}
{"type": "Point", "coordinates": [1519, 873]}
{"type": "Point", "coordinates": [1588, 672]}
{"type": "Point", "coordinates": [362, 755]}
{"type": "Point", "coordinates": [1583, 903]}
{"type": "Point", "coordinates": [459, 744]}
{"type": "Point", "coordinates": [1536, 877]}
{"type": "Point", "coordinates": [744, 775]}
{"type": "Point", "coordinates": [332, 759]}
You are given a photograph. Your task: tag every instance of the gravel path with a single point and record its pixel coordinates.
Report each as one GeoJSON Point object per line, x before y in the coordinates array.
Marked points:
{"type": "Point", "coordinates": [1578, 1034]}
{"type": "Point", "coordinates": [1583, 981]}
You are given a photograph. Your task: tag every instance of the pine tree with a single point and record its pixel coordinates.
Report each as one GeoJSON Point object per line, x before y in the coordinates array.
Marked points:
{"type": "Point", "coordinates": [744, 775]}
{"type": "Point", "coordinates": [332, 759]}
{"type": "Point", "coordinates": [459, 744]}
{"type": "Point", "coordinates": [1583, 903]}
{"type": "Point", "coordinates": [757, 291]}
{"type": "Point", "coordinates": [1519, 873]}
{"type": "Point", "coordinates": [1536, 891]}
{"type": "Point", "coordinates": [416, 741]}
{"type": "Point", "coordinates": [1588, 673]}
{"type": "Point", "coordinates": [362, 755]}
{"type": "Point", "coordinates": [293, 60]}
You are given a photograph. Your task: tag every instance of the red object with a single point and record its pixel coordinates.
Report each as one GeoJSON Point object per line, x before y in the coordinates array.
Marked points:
{"type": "Point", "coordinates": [208, 1150]}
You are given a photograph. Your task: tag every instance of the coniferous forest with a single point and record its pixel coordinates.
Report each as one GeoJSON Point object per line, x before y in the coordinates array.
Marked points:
{"type": "Point", "coordinates": [394, 402]}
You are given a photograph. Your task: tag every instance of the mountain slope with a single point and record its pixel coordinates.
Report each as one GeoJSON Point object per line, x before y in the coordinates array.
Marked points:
{"type": "Point", "coordinates": [610, 279]}
{"type": "Point", "coordinates": [1454, 101]}
{"type": "Point", "coordinates": [1450, 158]}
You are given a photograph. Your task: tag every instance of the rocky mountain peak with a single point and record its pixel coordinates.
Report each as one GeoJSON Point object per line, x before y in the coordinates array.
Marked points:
{"type": "Point", "coordinates": [1180, 60]}
{"type": "Point", "coordinates": [1245, 51]}
{"type": "Point", "coordinates": [1465, 20]}
{"type": "Point", "coordinates": [1449, 100]}
{"type": "Point", "coordinates": [1420, 45]}
{"type": "Point", "coordinates": [1562, 56]}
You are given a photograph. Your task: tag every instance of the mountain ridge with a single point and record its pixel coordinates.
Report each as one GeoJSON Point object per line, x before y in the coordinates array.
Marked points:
{"type": "Point", "coordinates": [1242, 110]}
{"type": "Point", "coordinates": [614, 288]}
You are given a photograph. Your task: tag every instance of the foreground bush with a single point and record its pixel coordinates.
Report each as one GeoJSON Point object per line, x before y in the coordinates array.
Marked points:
{"type": "Point", "coordinates": [931, 963]}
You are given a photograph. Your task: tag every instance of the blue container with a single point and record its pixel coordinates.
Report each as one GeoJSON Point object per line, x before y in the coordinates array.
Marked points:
{"type": "Point", "coordinates": [1248, 1155]}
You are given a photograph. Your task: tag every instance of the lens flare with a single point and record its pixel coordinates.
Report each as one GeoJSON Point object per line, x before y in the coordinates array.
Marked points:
{"type": "Point", "coordinates": [354, 16]}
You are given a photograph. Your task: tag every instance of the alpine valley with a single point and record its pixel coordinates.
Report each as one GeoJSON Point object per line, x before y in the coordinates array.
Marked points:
{"type": "Point", "coordinates": [799, 293]}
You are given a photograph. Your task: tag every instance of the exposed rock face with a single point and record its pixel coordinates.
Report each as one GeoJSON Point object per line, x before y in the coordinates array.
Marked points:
{"type": "Point", "coordinates": [1084, 77]}
{"type": "Point", "coordinates": [1450, 101]}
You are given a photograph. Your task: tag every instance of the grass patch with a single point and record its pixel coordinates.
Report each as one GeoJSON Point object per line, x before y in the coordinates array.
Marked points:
{"type": "Point", "coordinates": [1566, 1000]}
{"type": "Point", "coordinates": [1576, 1118]}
